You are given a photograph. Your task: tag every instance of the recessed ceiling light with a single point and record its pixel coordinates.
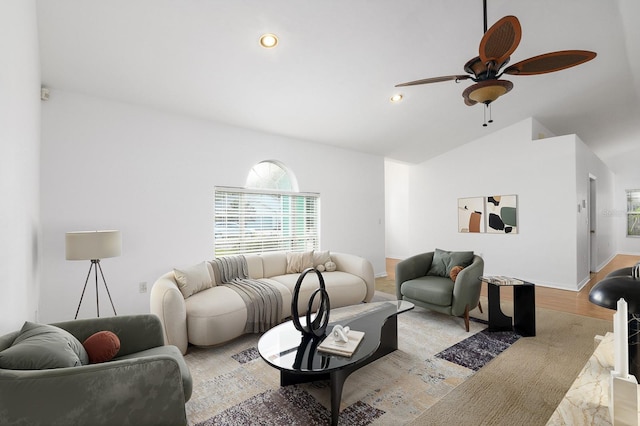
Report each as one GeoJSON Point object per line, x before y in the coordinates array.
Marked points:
{"type": "Point", "coordinates": [268, 41]}
{"type": "Point", "coordinates": [396, 98]}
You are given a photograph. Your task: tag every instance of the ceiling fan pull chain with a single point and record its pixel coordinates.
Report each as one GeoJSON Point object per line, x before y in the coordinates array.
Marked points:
{"type": "Point", "coordinates": [490, 118]}
{"type": "Point", "coordinates": [484, 8]}
{"type": "Point", "coordinates": [484, 113]}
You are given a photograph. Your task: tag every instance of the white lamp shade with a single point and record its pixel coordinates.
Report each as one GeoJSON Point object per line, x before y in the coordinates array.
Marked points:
{"type": "Point", "coordinates": [89, 245]}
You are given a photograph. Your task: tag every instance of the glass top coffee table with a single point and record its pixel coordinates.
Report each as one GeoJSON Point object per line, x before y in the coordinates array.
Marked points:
{"type": "Point", "coordinates": [299, 361]}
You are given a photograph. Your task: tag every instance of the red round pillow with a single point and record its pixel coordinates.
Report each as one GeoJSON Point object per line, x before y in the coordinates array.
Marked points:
{"type": "Point", "coordinates": [455, 271]}
{"type": "Point", "coordinates": [101, 346]}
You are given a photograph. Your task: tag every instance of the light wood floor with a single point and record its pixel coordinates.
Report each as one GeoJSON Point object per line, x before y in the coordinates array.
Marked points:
{"type": "Point", "coordinates": [549, 298]}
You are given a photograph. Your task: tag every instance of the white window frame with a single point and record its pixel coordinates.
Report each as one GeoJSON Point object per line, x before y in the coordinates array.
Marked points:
{"type": "Point", "coordinates": [257, 221]}
{"type": "Point", "coordinates": [631, 193]}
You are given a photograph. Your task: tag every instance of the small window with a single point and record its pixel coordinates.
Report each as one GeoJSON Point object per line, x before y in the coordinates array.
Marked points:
{"type": "Point", "coordinates": [267, 215]}
{"type": "Point", "coordinates": [271, 175]}
{"type": "Point", "coordinates": [633, 213]}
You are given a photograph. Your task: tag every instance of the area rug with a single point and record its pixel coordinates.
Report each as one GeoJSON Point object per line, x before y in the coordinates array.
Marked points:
{"type": "Point", "coordinates": [525, 384]}
{"type": "Point", "coordinates": [234, 386]}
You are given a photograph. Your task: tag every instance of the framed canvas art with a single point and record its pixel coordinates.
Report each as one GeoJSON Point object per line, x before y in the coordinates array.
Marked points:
{"type": "Point", "coordinates": [471, 214]}
{"type": "Point", "coordinates": [502, 214]}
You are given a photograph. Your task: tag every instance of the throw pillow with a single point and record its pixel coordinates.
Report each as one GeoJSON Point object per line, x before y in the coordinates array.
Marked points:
{"type": "Point", "coordinates": [101, 346]}
{"type": "Point", "coordinates": [454, 272]}
{"type": "Point", "coordinates": [439, 263]}
{"type": "Point", "coordinates": [42, 346]}
{"type": "Point", "coordinates": [320, 258]}
{"type": "Point", "coordinates": [330, 266]}
{"type": "Point", "coordinates": [461, 258]}
{"type": "Point", "coordinates": [299, 261]}
{"type": "Point", "coordinates": [193, 279]}
{"type": "Point", "coordinates": [444, 260]}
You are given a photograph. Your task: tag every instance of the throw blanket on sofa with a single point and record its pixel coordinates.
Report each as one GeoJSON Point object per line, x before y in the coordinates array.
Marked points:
{"type": "Point", "coordinates": [263, 300]}
{"type": "Point", "coordinates": [230, 267]}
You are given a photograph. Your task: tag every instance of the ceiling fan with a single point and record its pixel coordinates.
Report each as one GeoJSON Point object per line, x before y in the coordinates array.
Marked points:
{"type": "Point", "coordinates": [496, 47]}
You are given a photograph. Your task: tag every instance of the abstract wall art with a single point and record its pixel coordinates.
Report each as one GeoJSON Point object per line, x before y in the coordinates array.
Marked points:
{"type": "Point", "coordinates": [471, 214]}
{"type": "Point", "coordinates": [502, 214]}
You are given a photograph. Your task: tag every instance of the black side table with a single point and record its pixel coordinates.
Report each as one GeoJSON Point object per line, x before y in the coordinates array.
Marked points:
{"type": "Point", "coordinates": [524, 309]}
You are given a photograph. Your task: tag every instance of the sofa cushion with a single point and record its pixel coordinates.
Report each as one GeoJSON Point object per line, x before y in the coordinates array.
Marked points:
{"type": "Point", "coordinates": [101, 346]}
{"type": "Point", "coordinates": [254, 266]}
{"type": "Point", "coordinates": [8, 339]}
{"type": "Point", "coordinates": [436, 290]}
{"type": "Point", "coordinates": [167, 351]}
{"type": "Point", "coordinates": [43, 346]}
{"type": "Point", "coordinates": [343, 288]}
{"type": "Point", "coordinates": [444, 260]}
{"type": "Point", "coordinates": [299, 261]}
{"type": "Point", "coordinates": [274, 263]}
{"type": "Point", "coordinates": [215, 315]}
{"type": "Point", "coordinates": [321, 257]}
{"type": "Point", "coordinates": [194, 279]}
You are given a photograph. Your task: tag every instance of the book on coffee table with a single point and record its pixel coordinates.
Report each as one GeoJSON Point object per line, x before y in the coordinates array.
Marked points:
{"type": "Point", "coordinates": [347, 349]}
{"type": "Point", "coordinates": [501, 280]}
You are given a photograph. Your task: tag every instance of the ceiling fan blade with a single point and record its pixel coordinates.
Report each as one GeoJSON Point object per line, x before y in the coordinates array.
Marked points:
{"type": "Point", "coordinates": [434, 80]}
{"type": "Point", "coordinates": [550, 62]}
{"type": "Point", "coordinates": [501, 40]}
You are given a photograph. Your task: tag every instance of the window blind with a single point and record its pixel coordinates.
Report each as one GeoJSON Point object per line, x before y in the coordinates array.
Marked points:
{"type": "Point", "coordinates": [257, 221]}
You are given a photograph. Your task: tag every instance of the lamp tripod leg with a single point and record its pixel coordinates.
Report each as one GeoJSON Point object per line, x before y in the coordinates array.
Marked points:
{"type": "Point", "coordinates": [97, 264]}
{"type": "Point", "coordinates": [83, 289]}
{"type": "Point", "coordinates": [106, 287]}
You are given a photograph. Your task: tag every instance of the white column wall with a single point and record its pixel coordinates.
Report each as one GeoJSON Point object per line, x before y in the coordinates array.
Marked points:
{"type": "Point", "coordinates": [19, 163]}
{"type": "Point", "coordinates": [588, 165]}
{"type": "Point", "coordinates": [150, 174]}
{"type": "Point", "coordinates": [396, 202]}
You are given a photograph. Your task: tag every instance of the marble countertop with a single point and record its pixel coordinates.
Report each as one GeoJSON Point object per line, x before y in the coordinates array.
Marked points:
{"type": "Point", "coordinates": [587, 401]}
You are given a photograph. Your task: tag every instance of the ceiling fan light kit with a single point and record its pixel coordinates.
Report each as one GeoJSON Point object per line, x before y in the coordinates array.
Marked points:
{"type": "Point", "coordinates": [496, 46]}
{"type": "Point", "coordinates": [486, 91]}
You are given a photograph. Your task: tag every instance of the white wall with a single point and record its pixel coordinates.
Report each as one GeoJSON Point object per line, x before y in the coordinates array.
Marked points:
{"type": "Point", "coordinates": [542, 173]}
{"type": "Point", "coordinates": [19, 163]}
{"type": "Point", "coordinates": [150, 174]}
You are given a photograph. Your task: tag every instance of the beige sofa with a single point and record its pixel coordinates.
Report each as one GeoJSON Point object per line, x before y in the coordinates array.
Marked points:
{"type": "Point", "coordinates": [218, 314]}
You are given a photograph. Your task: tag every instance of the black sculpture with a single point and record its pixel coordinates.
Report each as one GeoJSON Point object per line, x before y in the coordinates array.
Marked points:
{"type": "Point", "coordinates": [318, 326]}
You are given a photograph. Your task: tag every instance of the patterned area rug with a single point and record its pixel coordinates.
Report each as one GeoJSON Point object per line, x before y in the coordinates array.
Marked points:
{"type": "Point", "coordinates": [290, 406]}
{"type": "Point", "coordinates": [234, 386]}
{"type": "Point", "coordinates": [477, 350]}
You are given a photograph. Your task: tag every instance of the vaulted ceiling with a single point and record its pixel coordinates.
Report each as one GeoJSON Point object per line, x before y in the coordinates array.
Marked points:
{"type": "Point", "coordinates": [334, 70]}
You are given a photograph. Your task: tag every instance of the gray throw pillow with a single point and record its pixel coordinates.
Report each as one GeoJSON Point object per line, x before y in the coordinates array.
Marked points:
{"type": "Point", "coordinates": [42, 346]}
{"type": "Point", "coordinates": [444, 260]}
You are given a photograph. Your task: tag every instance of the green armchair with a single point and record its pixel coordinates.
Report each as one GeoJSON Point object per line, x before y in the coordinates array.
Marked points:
{"type": "Point", "coordinates": [147, 383]}
{"type": "Point", "coordinates": [440, 293]}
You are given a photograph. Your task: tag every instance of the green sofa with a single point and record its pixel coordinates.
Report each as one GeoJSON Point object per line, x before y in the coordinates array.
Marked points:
{"type": "Point", "coordinates": [440, 293]}
{"type": "Point", "coordinates": [147, 383]}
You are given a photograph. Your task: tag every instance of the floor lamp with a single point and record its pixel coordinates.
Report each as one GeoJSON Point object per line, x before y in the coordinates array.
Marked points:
{"type": "Point", "coordinates": [93, 246]}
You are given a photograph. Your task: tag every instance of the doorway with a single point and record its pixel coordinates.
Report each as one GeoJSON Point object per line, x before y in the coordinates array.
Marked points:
{"type": "Point", "coordinates": [593, 235]}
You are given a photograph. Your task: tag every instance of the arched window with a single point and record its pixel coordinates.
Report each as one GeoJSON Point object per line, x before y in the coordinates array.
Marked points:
{"type": "Point", "coordinates": [271, 175]}
{"type": "Point", "coordinates": [268, 215]}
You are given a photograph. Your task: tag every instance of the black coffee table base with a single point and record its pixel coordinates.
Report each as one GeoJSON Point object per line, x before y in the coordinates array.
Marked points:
{"type": "Point", "coordinates": [388, 344]}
